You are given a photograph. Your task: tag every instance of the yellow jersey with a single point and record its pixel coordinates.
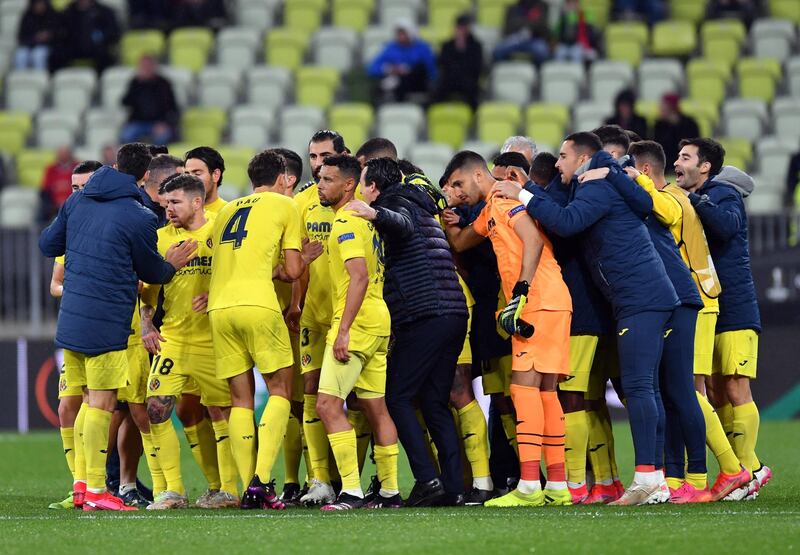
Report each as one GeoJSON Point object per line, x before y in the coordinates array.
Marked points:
{"type": "Point", "coordinates": [317, 222]}
{"type": "Point", "coordinates": [353, 237]}
{"type": "Point", "coordinates": [248, 233]}
{"type": "Point", "coordinates": [183, 327]}
{"type": "Point", "coordinates": [216, 206]}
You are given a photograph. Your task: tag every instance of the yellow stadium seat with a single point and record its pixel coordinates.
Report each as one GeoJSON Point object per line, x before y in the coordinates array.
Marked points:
{"type": "Point", "coordinates": [435, 36]}
{"type": "Point", "coordinates": [316, 86]}
{"type": "Point", "coordinates": [189, 47]}
{"type": "Point", "coordinates": [442, 14]}
{"type": "Point", "coordinates": [203, 125]}
{"type": "Point", "coordinates": [492, 13]}
{"type": "Point", "coordinates": [546, 123]}
{"type": "Point", "coordinates": [352, 14]}
{"type": "Point", "coordinates": [785, 9]}
{"type": "Point", "coordinates": [707, 79]}
{"type": "Point", "coordinates": [498, 121]}
{"type": "Point", "coordinates": [758, 77]}
{"type": "Point", "coordinates": [673, 38]}
{"type": "Point", "coordinates": [135, 44]}
{"type": "Point", "coordinates": [704, 111]}
{"type": "Point", "coordinates": [12, 140]}
{"type": "Point", "coordinates": [448, 123]}
{"type": "Point", "coordinates": [353, 121]}
{"type": "Point", "coordinates": [690, 10]}
{"type": "Point", "coordinates": [236, 160]}
{"type": "Point", "coordinates": [31, 164]}
{"type": "Point", "coordinates": [626, 42]}
{"type": "Point", "coordinates": [285, 47]}
{"type": "Point", "coordinates": [180, 149]}
{"type": "Point", "coordinates": [19, 121]}
{"type": "Point", "coordinates": [722, 39]}
{"type": "Point", "coordinates": [739, 148]}
{"type": "Point", "coordinates": [597, 12]}
{"type": "Point", "coordinates": [304, 15]}
{"type": "Point", "coordinates": [649, 110]}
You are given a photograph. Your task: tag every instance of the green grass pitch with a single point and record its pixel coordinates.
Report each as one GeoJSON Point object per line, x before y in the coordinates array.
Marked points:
{"type": "Point", "coordinates": [33, 474]}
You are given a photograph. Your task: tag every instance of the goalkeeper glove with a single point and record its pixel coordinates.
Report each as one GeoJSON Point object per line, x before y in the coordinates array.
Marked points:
{"type": "Point", "coordinates": [509, 318]}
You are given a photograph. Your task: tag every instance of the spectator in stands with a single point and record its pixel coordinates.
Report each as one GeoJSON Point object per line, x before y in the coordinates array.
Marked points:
{"type": "Point", "coordinates": [793, 182]}
{"type": "Point", "coordinates": [57, 183]}
{"type": "Point", "coordinates": [199, 13]}
{"type": "Point", "coordinates": [460, 65]}
{"type": "Point", "coordinates": [672, 126]}
{"type": "Point", "coordinates": [147, 14]}
{"type": "Point", "coordinates": [744, 10]}
{"type": "Point", "coordinates": [153, 110]}
{"type": "Point", "coordinates": [405, 66]}
{"type": "Point", "coordinates": [652, 10]}
{"type": "Point", "coordinates": [90, 32]}
{"type": "Point", "coordinates": [577, 39]}
{"type": "Point", "coordinates": [625, 116]}
{"type": "Point", "coordinates": [526, 30]}
{"type": "Point", "coordinates": [37, 31]}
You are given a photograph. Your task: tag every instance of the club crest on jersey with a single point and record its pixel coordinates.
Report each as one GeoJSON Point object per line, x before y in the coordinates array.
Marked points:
{"type": "Point", "coordinates": [62, 384]}
{"type": "Point", "coordinates": [154, 384]}
{"type": "Point", "coordinates": [210, 243]}
{"type": "Point", "coordinates": [516, 210]}
{"type": "Point", "coordinates": [345, 237]}
{"type": "Point", "coordinates": [491, 224]}
{"type": "Point", "coordinates": [306, 359]}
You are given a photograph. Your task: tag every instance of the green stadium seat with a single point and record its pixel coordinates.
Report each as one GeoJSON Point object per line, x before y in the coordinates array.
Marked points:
{"type": "Point", "coordinates": [690, 10]}
{"type": "Point", "coordinates": [785, 9]}
{"type": "Point", "coordinates": [492, 13]}
{"type": "Point", "coordinates": [316, 86]}
{"type": "Point", "coordinates": [497, 121]}
{"type": "Point", "coordinates": [758, 77]}
{"type": "Point", "coordinates": [673, 38]}
{"type": "Point", "coordinates": [203, 125]}
{"type": "Point", "coordinates": [31, 163]}
{"type": "Point", "coordinates": [189, 47]}
{"type": "Point", "coordinates": [442, 14]}
{"type": "Point", "coordinates": [707, 79]}
{"type": "Point", "coordinates": [738, 148]}
{"type": "Point", "coordinates": [722, 39]}
{"type": "Point", "coordinates": [435, 36]}
{"type": "Point", "coordinates": [704, 111]}
{"type": "Point", "coordinates": [649, 110]}
{"type": "Point", "coordinates": [285, 47]}
{"type": "Point", "coordinates": [546, 123]}
{"type": "Point", "coordinates": [304, 15]}
{"type": "Point", "coordinates": [353, 121]}
{"type": "Point", "coordinates": [448, 123]}
{"type": "Point", "coordinates": [18, 121]}
{"type": "Point", "coordinates": [353, 14]}
{"type": "Point", "coordinates": [12, 140]}
{"type": "Point", "coordinates": [597, 11]}
{"type": "Point", "coordinates": [626, 42]}
{"type": "Point", "coordinates": [135, 44]}
{"type": "Point", "coordinates": [236, 160]}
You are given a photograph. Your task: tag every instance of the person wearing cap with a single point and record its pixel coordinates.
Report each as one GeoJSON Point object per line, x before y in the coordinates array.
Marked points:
{"type": "Point", "coordinates": [672, 126]}
{"type": "Point", "coordinates": [460, 63]}
{"type": "Point", "coordinates": [405, 65]}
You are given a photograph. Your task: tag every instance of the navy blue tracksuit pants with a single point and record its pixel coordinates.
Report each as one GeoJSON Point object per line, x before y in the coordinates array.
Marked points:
{"type": "Point", "coordinates": [421, 366]}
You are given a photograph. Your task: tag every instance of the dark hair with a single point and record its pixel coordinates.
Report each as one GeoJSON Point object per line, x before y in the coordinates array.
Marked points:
{"type": "Point", "coordinates": [212, 159]}
{"type": "Point", "coordinates": [384, 171]}
{"type": "Point", "coordinates": [294, 164]}
{"type": "Point", "coordinates": [377, 147]}
{"type": "Point", "coordinates": [265, 167]}
{"type": "Point", "coordinates": [329, 135]}
{"type": "Point", "coordinates": [633, 136]}
{"type": "Point", "coordinates": [408, 168]}
{"type": "Point", "coordinates": [465, 158]}
{"type": "Point", "coordinates": [625, 95]}
{"type": "Point", "coordinates": [155, 150]}
{"type": "Point", "coordinates": [183, 181]}
{"type": "Point", "coordinates": [543, 168]}
{"type": "Point", "coordinates": [87, 166]}
{"type": "Point", "coordinates": [708, 150]}
{"type": "Point", "coordinates": [613, 135]}
{"type": "Point", "coordinates": [586, 141]}
{"type": "Point", "coordinates": [348, 165]}
{"type": "Point", "coordinates": [516, 159]}
{"type": "Point", "coordinates": [163, 162]}
{"type": "Point", "coordinates": [649, 151]}
{"type": "Point", "coordinates": [134, 159]}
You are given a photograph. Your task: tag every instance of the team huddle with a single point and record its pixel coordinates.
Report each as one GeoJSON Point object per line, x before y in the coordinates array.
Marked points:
{"type": "Point", "coordinates": [369, 299]}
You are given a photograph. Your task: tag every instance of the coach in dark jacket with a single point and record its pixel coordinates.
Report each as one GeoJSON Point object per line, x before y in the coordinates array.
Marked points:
{"type": "Point", "coordinates": [110, 243]}
{"type": "Point", "coordinates": [429, 324]}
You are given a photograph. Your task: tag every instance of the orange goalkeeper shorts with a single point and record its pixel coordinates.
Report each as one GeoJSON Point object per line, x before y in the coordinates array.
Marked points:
{"type": "Point", "coordinates": [547, 351]}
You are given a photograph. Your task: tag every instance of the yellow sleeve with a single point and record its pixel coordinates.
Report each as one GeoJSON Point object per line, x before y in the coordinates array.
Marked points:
{"type": "Point", "coordinates": [150, 294]}
{"type": "Point", "coordinates": [350, 238]}
{"type": "Point", "coordinates": [666, 208]}
{"type": "Point", "coordinates": [61, 260]}
{"type": "Point", "coordinates": [293, 234]}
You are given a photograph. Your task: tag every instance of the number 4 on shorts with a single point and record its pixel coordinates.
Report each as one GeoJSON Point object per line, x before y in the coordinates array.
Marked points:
{"type": "Point", "coordinates": [235, 231]}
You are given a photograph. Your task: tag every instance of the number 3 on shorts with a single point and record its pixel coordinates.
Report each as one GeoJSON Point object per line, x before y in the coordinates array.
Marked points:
{"type": "Point", "coordinates": [235, 231]}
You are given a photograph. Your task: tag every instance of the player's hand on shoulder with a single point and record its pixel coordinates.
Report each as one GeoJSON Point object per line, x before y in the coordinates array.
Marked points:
{"type": "Point", "coordinates": [361, 209]}
{"type": "Point", "coordinates": [507, 189]}
{"type": "Point", "coordinates": [181, 253]}
{"type": "Point", "coordinates": [591, 175]}
{"type": "Point", "coordinates": [311, 250]}
{"type": "Point", "coordinates": [632, 172]}
{"type": "Point", "coordinates": [200, 303]}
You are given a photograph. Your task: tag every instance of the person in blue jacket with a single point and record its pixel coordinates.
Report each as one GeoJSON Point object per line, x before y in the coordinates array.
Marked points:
{"type": "Point", "coordinates": [109, 240]}
{"type": "Point", "coordinates": [717, 192]}
{"type": "Point", "coordinates": [405, 65]}
{"type": "Point", "coordinates": [628, 271]}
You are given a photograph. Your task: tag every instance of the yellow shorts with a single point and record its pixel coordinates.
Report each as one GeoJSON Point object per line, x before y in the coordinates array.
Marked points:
{"type": "Point", "coordinates": [736, 353]}
{"type": "Point", "coordinates": [365, 372]}
{"type": "Point", "coordinates": [466, 352]}
{"type": "Point", "coordinates": [581, 357]}
{"type": "Point", "coordinates": [704, 343]}
{"type": "Point", "coordinates": [297, 376]}
{"type": "Point", "coordinates": [604, 367]}
{"type": "Point", "coordinates": [312, 348]}
{"type": "Point", "coordinates": [67, 386]}
{"type": "Point", "coordinates": [97, 372]}
{"type": "Point", "coordinates": [498, 379]}
{"type": "Point", "coordinates": [191, 387]}
{"type": "Point", "coordinates": [173, 368]}
{"type": "Point", "coordinates": [247, 336]}
{"type": "Point", "coordinates": [138, 370]}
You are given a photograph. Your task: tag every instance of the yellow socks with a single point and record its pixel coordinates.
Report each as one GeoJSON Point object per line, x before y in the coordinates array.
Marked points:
{"type": "Point", "coordinates": [725, 413]}
{"type": "Point", "coordinates": [360, 424]}
{"type": "Point", "coordinates": [316, 439]}
{"type": "Point", "coordinates": [386, 462]}
{"type": "Point", "coordinates": [208, 452]}
{"type": "Point", "coordinates": [745, 435]}
{"type": "Point", "coordinates": [271, 430]}
{"type": "Point", "coordinates": [577, 431]}
{"type": "Point", "coordinates": [95, 442]}
{"type": "Point", "coordinates": [168, 452]}
{"type": "Point", "coordinates": [598, 449]}
{"type": "Point", "coordinates": [475, 437]}
{"type": "Point", "coordinates": [699, 481]}
{"type": "Point", "coordinates": [605, 420]}
{"type": "Point", "coordinates": [292, 451]}
{"type": "Point", "coordinates": [345, 451]}
{"type": "Point", "coordinates": [80, 451]}
{"type": "Point", "coordinates": [243, 445]}
{"type": "Point", "coordinates": [510, 427]}
{"type": "Point", "coordinates": [716, 439]}
{"type": "Point", "coordinates": [674, 483]}
{"type": "Point", "coordinates": [159, 482]}
{"type": "Point", "coordinates": [228, 475]}
{"type": "Point", "coordinates": [68, 442]}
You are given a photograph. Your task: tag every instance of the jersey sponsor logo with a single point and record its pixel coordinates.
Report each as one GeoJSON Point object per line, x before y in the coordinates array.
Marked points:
{"type": "Point", "coordinates": [744, 362]}
{"type": "Point", "coordinates": [666, 333]}
{"type": "Point", "coordinates": [516, 210]}
{"type": "Point", "coordinates": [221, 438]}
{"type": "Point", "coordinates": [521, 354]}
{"type": "Point", "coordinates": [318, 227]}
{"type": "Point", "coordinates": [490, 225]}
{"type": "Point", "coordinates": [622, 332]}
{"type": "Point", "coordinates": [341, 221]}
{"type": "Point", "coordinates": [199, 261]}
{"type": "Point", "coordinates": [345, 237]}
